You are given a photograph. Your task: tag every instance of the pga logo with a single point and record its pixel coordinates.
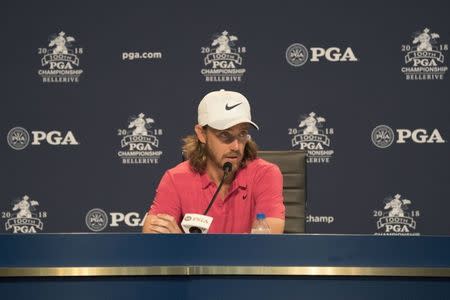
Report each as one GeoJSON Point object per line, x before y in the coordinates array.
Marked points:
{"type": "Point", "coordinates": [419, 136]}
{"type": "Point", "coordinates": [333, 54]}
{"type": "Point", "coordinates": [222, 63]}
{"type": "Point", "coordinates": [54, 138]}
{"type": "Point", "coordinates": [18, 138]}
{"type": "Point", "coordinates": [60, 65]}
{"type": "Point", "coordinates": [397, 228]}
{"type": "Point", "coordinates": [396, 217]}
{"type": "Point", "coordinates": [383, 136]}
{"type": "Point", "coordinates": [297, 54]}
{"type": "Point", "coordinates": [131, 219]}
{"type": "Point", "coordinates": [97, 219]}
{"type": "Point", "coordinates": [25, 216]}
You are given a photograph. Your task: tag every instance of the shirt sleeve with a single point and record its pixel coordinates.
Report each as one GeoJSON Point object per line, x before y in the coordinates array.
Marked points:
{"type": "Point", "coordinates": [167, 200]}
{"type": "Point", "coordinates": [268, 192]}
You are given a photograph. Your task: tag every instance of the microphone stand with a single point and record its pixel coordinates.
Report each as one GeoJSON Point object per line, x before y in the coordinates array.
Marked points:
{"type": "Point", "coordinates": [226, 169]}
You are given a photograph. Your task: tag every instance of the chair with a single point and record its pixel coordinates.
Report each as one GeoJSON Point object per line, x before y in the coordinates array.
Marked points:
{"type": "Point", "coordinates": [293, 167]}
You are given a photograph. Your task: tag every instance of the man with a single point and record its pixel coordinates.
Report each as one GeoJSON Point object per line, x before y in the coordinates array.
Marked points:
{"type": "Point", "coordinates": [253, 185]}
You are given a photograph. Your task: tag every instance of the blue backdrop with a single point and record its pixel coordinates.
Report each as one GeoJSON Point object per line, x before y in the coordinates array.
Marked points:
{"type": "Point", "coordinates": [96, 97]}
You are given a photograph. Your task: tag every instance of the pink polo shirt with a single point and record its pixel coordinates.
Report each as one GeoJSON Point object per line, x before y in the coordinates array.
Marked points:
{"type": "Point", "coordinates": [256, 188]}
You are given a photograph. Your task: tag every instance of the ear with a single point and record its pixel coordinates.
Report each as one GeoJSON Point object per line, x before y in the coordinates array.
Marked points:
{"type": "Point", "coordinates": [201, 134]}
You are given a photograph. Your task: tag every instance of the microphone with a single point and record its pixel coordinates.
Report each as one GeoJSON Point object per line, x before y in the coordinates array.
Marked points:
{"type": "Point", "coordinates": [197, 223]}
{"type": "Point", "coordinates": [226, 170]}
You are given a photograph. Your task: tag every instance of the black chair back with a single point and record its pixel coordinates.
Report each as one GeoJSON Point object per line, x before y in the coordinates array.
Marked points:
{"type": "Point", "coordinates": [293, 167]}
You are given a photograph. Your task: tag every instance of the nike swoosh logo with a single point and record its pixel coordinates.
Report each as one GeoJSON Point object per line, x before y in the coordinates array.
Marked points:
{"type": "Point", "coordinates": [231, 107]}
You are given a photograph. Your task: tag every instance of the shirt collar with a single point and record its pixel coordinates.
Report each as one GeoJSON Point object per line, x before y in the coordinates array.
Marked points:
{"type": "Point", "coordinates": [205, 180]}
{"type": "Point", "coordinates": [239, 181]}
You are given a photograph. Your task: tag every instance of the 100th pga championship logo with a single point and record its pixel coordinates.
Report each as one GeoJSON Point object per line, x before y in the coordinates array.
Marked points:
{"type": "Point", "coordinates": [60, 59]}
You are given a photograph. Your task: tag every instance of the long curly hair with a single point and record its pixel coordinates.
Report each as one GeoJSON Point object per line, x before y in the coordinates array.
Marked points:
{"type": "Point", "coordinates": [195, 152]}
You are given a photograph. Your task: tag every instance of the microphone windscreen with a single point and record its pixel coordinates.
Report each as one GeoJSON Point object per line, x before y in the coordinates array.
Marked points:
{"type": "Point", "coordinates": [227, 167]}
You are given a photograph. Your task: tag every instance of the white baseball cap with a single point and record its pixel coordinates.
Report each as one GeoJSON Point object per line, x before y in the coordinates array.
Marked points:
{"type": "Point", "coordinates": [224, 109]}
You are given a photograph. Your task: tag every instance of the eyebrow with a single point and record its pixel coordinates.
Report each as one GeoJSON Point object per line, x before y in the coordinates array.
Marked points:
{"type": "Point", "coordinates": [230, 131]}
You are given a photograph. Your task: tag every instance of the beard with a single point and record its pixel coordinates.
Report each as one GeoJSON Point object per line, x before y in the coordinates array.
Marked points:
{"type": "Point", "coordinates": [235, 157]}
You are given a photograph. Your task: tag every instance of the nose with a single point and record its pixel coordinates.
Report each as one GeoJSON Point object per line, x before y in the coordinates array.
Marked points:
{"type": "Point", "coordinates": [234, 144]}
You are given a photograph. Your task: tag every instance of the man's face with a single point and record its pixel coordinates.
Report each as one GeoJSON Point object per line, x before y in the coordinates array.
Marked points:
{"type": "Point", "coordinates": [225, 145]}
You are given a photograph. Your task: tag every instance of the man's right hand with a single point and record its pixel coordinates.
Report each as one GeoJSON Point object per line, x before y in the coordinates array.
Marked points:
{"type": "Point", "coordinates": [160, 223]}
